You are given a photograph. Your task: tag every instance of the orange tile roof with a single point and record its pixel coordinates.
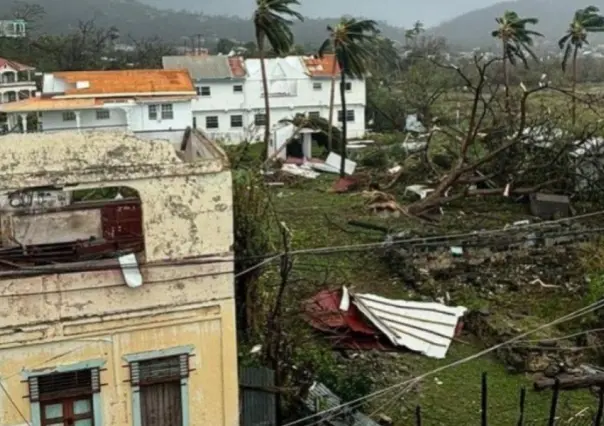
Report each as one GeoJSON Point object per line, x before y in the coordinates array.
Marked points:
{"type": "Point", "coordinates": [237, 67]}
{"type": "Point", "coordinates": [321, 67]}
{"type": "Point", "coordinates": [40, 104]}
{"type": "Point", "coordinates": [128, 82]}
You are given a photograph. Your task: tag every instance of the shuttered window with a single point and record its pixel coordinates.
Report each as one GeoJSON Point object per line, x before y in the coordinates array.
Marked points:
{"type": "Point", "coordinates": [161, 385]}
{"type": "Point", "coordinates": [65, 398]}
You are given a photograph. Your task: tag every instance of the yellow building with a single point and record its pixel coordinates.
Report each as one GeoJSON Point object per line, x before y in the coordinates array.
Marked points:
{"type": "Point", "coordinates": [116, 282]}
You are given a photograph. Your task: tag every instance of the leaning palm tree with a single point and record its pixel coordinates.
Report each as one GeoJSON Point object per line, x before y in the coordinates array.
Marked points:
{"type": "Point", "coordinates": [585, 21]}
{"type": "Point", "coordinates": [351, 41]}
{"type": "Point", "coordinates": [272, 21]}
{"type": "Point", "coordinates": [516, 41]}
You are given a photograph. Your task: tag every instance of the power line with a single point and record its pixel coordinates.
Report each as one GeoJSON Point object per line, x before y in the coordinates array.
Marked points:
{"type": "Point", "coordinates": [12, 401]}
{"type": "Point", "coordinates": [416, 241]}
{"type": "Point", "coordinates": [575, 314]}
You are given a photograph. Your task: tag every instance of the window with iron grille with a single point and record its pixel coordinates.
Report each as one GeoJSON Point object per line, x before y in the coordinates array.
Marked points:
{"type": "Point", "coordinates": [152, 112]}
{"type": "Point", "coordinates": [103, 114]}
{"type": "Point", "coordinates": [349, 115]}
{"type": "Point", "coordinates": [167, 112]}
{"type": "Point", "coordinates": [348, 86]}
{"type": "Point", "coordinates": [238, 88]}
{"type": "Point", "coordinates": [212, 122]}
{"type": "Point", "coordinates": [69, 116]}
{"type": "Point", "coordinates": [236, 120]}
{"type": "Point", "coordinates": [65, 399]}
{"type": "Point", "coordinates": [317, 86]}
{"type": "Point", "coordinates": [260, 119]}
{"type": "Point", "coordinates": [159, 383]}
{"type": "Point", "coordinates": [205, 91]}
{"type": "Point", "coordinates": [314, 114]}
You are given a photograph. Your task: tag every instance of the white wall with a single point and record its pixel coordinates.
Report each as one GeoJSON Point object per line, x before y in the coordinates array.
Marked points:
{"type": "Point", "coordinates": [53, 120]}
{"type": "Point", "coordinates": [134, 117]}
{"type": "Point", "coordinates": [183, 117]}
{"type": "Point", "coordinates": [223, 102]}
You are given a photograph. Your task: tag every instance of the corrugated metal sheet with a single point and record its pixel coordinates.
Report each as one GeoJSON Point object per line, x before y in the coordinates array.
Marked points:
{"type": "Point", "coordinates": [288, 68]}
{"type": "Point", "coordinates": [321, 398]}
{"type": "Point", "coordinates": [258, 406]}
{"type": "Point", "coordinates": [424, 327]}
{"type": "Point", "coordinates": [200, 67]}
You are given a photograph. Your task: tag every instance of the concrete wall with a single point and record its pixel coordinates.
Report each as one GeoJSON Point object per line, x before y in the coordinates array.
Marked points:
{"type": "Point", "coordinates": [305, 98]}
{"type": "Point", "coordinates": [57, 320]}
{"type": "Point", "coordinates": [134, 117]}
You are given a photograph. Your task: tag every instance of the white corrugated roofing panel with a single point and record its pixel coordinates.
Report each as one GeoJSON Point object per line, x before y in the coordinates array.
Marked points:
{"type": "Point", "coordinates": [424, 327]}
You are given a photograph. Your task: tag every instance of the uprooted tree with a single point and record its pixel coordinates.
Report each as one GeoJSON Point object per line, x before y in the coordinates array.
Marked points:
{"type": "Point", "coordinates": [492, 155]}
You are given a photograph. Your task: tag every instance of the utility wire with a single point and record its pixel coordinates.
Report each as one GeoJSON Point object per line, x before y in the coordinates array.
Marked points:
{"type": "Point", "coordinates": [575, 314]}
{"type": "Point", "coordinates": [427, 241]}
{"type": "Point", "coordinates": [12, 401]}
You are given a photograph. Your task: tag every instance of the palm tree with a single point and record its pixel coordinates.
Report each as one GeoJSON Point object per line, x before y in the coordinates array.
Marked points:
{"type": "Point", "coordinates": [272, 21]}
{"type": "Point", "coordinates": [585, 21]}
{"type": "Point", "coordinates": [351, 41]}
{"type": "Point", "coordinates": [516, 40]}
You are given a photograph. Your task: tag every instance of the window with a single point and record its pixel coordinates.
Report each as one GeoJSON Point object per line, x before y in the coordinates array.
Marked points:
{"type": "Point", "coordinates": [348, 86]}
{"type": "Point", "coordinates": [238, 88]}
{"type": "Point", "coordinates": [103, 114]}
{"type": "Point", "coordinates": [67, 398]}
{"type": "Point", "coordinates": [12, 96]}
{"type": "Point", "coordinates": [314, 114]}
{"type": "Point", "coordinates": [204, 90]}
{"type": "Point", "coordinates": [69, 116]}
{"type": "Point", "coordinates": [317, 86]}
{"type": "Point", "coordinates": [152, 112]}
{"type": "Point", "coordinates": [259, 119]}
{"type": "Point", "coordinates": [349, 115]}
{"type": "Point", "coordinates": [160, 388]}
{"type": "Point", "coordinates": [167, 113]}
{"type": "Point", "coordinates": [236, 120]}
{"type": "Point", "coordinates": [212, 122]}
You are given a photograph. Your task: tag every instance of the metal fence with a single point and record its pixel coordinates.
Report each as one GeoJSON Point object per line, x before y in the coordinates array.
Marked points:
{"type": "Point", "coordinates": [258, 400]}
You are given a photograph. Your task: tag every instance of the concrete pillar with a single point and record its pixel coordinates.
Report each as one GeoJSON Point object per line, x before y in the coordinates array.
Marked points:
{"type": "Point", "coordinates": [78, 120]}
{"type": "Point", "coordinates": [24, 122]}
{"type": "Point", "coordinates": [307, 145]}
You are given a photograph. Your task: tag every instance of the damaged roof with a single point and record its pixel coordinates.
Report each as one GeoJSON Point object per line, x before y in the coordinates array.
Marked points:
{"type": "Point", "coordinates": [44, 153]}
{"type": "Point", "coordinates": [206, 67]}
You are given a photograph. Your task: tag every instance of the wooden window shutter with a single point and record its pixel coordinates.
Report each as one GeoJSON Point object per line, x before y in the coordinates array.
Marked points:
{"type": "Point", "coordinates": [184, 365]}
{"type": "Point", "coordinates": [95, 380]}
{"type": "Point", "coordinates": [134, 374]}
{"type": "Point", "coordinates": [34, 389]}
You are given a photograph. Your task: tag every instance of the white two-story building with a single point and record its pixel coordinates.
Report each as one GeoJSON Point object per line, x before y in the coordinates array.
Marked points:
{"type": "Point", "coordinates": [16, 84]}
{"type": "Point", "coordinates": [134, 100]}
{"type": "Point", "coordinates": [230, 95]}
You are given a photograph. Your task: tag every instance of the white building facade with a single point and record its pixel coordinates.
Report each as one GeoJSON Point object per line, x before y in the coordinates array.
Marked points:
{"type": "Point", "coordinates": [16, 83]}
{"type": "Point", "coordinates": [230, 96]}
{"type": "Point", "coordinates": [134, 100]}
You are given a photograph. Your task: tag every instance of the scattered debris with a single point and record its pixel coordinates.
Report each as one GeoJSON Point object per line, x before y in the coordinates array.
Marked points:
{"type": "Point", "coordinates": [424, 327]}
{"type": "Point", "coordinates": [549, 206]}
{"type": "Point", "coordinates": [332, 165]}
{"type": "Point", "coordinates": [569, 382]}
{"type": "Point", "coordinates": [361, 321]}
{"type": "Point", "coordinates": [412, 124]}
{"type": "Point", "coordinates": [303, 171]}
{"type": "Point", "coordinates": [321, 398]}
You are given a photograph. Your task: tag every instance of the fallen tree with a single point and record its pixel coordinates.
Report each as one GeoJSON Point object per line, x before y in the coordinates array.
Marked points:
{"type": "Point", "coordinates": [569, 382]}
{"type": "Point", "coordinates": [514, 159]}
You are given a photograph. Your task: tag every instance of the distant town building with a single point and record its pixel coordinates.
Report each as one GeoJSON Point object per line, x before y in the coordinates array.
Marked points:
{"type": "Point", "coordinates": [135, 100]}
{"type": "Point", "coordinates": [13, 28]}
{"type": "Point", "coordinates": [16, 84]}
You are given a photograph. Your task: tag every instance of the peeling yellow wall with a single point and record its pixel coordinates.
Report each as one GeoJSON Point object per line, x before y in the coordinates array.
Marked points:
{"type": "Point", "coordinates": [67, 318]}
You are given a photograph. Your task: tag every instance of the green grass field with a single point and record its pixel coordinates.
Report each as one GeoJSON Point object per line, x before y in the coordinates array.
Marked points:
{"type": "Point", "coordinates": [318, 218]}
